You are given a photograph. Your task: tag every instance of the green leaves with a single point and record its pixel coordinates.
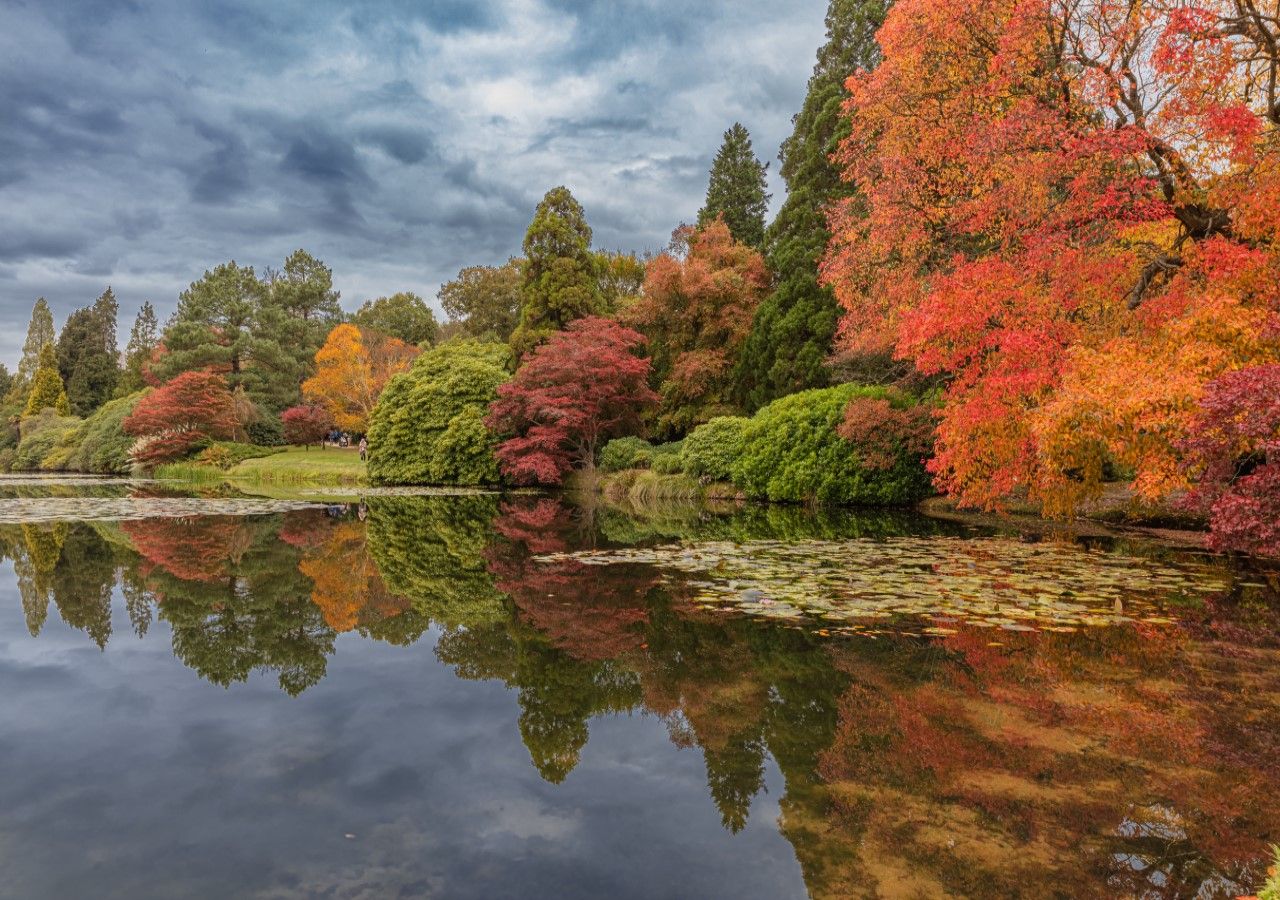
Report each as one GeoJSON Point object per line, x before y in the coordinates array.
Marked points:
{"type": "Point", "coordinates": [428, 425]}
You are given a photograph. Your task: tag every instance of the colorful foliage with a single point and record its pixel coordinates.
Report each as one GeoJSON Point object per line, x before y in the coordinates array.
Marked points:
{"type": "Point", "coordinates": [352, 368]}
{"type": "Point", "coordinates": [697, 307]}
{"type": "Point", "coordinates": [192, 409]}
{"type": "Point", "coordinates": [1078, 251]}
{"type": "Point", "coordinates": [571, 395]}
{"type": "Point", "coordinates": [305, 424]}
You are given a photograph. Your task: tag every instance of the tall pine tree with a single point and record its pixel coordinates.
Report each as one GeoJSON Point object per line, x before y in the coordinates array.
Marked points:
{"type": "Point", "coordinates": [560, 281]}
{"type": "Point", "coordinates": [736, 189]}
{"type": "Point", "coordinates": [143, 339]}
{"type": "Point", "coordinates": [794, 327]}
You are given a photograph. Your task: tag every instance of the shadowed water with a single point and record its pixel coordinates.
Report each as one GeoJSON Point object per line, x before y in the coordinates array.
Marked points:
{"type": "Point", "coordinates": [484, 696]}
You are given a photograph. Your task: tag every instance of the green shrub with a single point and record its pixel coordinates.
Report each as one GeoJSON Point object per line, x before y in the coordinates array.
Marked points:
{"type": "Point", "coordinates": [625, 453]}
{"type": "Point", "coordinates": [711, 450]}
{"type": "Point", "coordinates": [791, 451]}
{"type": "Point", "coordinates": [266, 432]}
{"type": "Point", "coordinates": [102, 446]}
{"type": "Point", "coordinates": [428, 426]}
{"type": "Point", "coordinates": [42, 434]}
{"type": "Point", "coordinates": [227, 455]}
{"type": "Point", "coordinates": [6, 458]}
{"type": "Point", "coordinates": [666, 464]}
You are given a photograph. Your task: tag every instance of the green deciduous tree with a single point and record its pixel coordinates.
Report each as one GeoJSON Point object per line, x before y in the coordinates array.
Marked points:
{"type": "Point", "coordinates": [736, 190]}
{"type": "Point", "coordinates": [404, 316]}
{"type": "Point", "coordinates": [794, 327]}
{"type": "Point", "coordinates": [428, 426]}
{"type": "Point", "coordinates": [485, 300]}
{"type": "Point", "coordinates": [47, 391]}
{"type": "Point", "coordinates": [560, 279]}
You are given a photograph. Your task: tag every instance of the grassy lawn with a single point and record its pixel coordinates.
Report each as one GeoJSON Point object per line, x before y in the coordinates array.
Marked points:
{"type": "Point", "coordinates": [298, 465]}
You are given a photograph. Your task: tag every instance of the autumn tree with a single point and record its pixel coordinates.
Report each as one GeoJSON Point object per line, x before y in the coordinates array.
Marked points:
{"type": "Point", "coordinates": [584, 386]}
{"type": "Point", "coordinates": [794, 328]}
{"type": "Point", "coordinates": [404, 316]}
{"type": "Point", "coordinates": [305, 424]}
{"type": "Point", "coordinates": [171, 421]}
{"type": "Point", "coordinates": [47, 391]}
{"type": "Point", "coordinates": [143, 339]}
{"type": "Point", "coordinates": [485, 300]}
{"type": "Point", "coordinates": [698, 303]}
{"type": "Point", "coordinates": [1076, 250]}
{"type": "Point", "coordinates": [558, 279]}
{"type": "Point", "coordinates": [1232, 452]}
{"type": "Point", "coordinates": [352, 368]}
{"type": "Point", "coordinates": [88, 358]}
{"type": "Point", "coordinates": [736, 189]}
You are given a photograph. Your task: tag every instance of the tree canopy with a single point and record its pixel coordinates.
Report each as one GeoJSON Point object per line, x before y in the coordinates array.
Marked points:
{"type": "Point", "coordinates": [559, 278]}
{"type": "Point", "coordinates": [404, 316]}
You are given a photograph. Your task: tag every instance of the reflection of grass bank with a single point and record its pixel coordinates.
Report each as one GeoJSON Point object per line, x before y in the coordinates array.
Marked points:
{"type": "Point", "coordinates": [295, 466]}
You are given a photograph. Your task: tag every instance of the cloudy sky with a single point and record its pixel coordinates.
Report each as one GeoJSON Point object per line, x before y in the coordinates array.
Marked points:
{"type": "Point", "coordinates": [143, 142]}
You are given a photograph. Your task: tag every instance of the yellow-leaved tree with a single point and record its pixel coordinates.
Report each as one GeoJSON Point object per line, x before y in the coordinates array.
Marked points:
{"type": "Point", "coordinates": [352, 368]}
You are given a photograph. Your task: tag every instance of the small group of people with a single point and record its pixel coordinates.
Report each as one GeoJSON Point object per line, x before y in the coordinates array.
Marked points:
{"type": "Point", "coordinates": [338, 438]}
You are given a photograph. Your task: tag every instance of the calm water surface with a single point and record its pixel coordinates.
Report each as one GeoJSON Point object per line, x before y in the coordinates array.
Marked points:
{"type": "Point", "coordinates": [482, 696]}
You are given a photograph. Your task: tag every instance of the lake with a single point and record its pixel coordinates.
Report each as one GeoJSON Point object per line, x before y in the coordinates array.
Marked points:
{"type": "Point", "coordinates": [476, 695]}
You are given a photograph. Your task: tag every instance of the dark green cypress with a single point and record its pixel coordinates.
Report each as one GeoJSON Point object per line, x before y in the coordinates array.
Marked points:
{"type": "Point", "coordinates": [794, 327]}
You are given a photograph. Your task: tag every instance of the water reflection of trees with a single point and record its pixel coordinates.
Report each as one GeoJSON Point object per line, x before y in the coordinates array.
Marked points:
{"type": "Point", "coordinates": [1108, 762]}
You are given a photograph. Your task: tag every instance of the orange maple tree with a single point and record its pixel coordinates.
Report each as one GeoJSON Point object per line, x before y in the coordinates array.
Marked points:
{"type": "Point", "coordinates": [1062, 213]}
{"type": "Point", "coordinates": [352, 368]}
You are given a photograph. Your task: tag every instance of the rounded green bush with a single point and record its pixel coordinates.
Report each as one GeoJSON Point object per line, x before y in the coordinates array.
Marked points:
{"type": "Point", "coordinates": [666, 464]}
{"type": "Point", "coordinates": [428, 426]}
{"type": "Point", "coordinates": [625, 453]}
{"type": "Point", "coordinates": [792, 452]}
{"type": "Point", "coordinates": [711, 450]}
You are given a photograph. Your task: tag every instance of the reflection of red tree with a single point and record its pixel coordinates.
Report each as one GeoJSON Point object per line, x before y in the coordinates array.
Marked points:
{"type": "Point", "coordinates": [590, 612]}
{"type": "Point", "coordinates": [1059, 742]}
{"type": "Point", "coordinates": [202, 549]}
{"type": "Point", "coordinates": [347, 586]}
{"type": "Point", "coordinates": [305, 529]}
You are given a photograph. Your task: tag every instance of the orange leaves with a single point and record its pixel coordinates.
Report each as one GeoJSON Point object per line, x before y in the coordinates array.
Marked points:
{"type": "Point", "coordinates": [1061, 214]}
{"type": "Point", "coordinates": [352, 368]}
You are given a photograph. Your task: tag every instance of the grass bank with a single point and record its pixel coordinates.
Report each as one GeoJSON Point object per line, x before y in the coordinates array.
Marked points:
{"type": "Point", "coordinates": [297, 466]}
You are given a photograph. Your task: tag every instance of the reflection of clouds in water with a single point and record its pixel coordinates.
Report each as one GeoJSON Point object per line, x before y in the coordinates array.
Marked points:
{"type": "Point", "coordinates": [525, 818]}
{"type": "Point", "coordinates": [399, 860]}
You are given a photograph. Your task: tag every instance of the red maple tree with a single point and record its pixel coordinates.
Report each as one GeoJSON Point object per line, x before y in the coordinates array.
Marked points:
{"type": "Point", "coordinates": [573, 393]}
{"type": "Point", "coordinates": [172, 420]}
{"type": "Point", "coordinates": [305, 424]}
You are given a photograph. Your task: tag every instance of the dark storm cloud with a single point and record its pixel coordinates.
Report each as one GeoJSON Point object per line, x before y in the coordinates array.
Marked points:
{"type": "Point", "coordinates": [399, 141]}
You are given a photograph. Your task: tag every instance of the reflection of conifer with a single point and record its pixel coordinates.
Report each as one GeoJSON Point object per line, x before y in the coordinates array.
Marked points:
{"type": "Point", "coordinates": [83, 582]}
{"type": "Point", "coordinates": [34, 566]}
